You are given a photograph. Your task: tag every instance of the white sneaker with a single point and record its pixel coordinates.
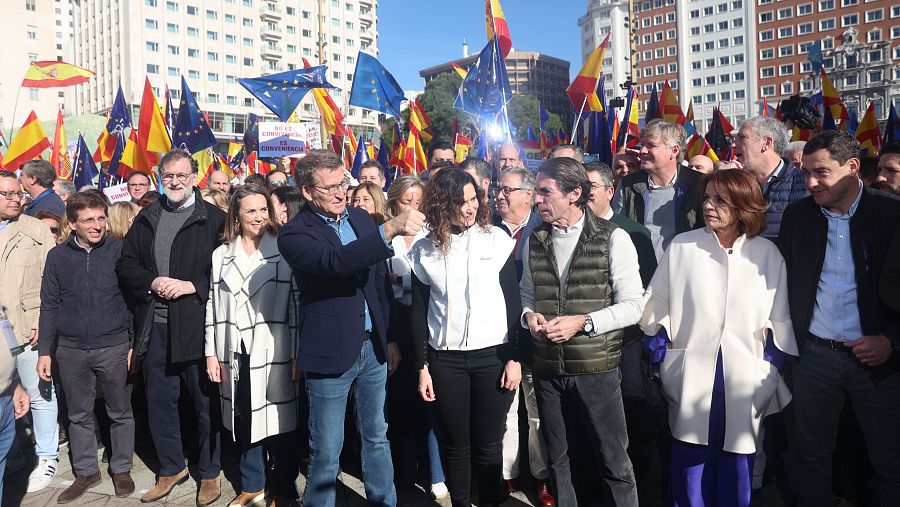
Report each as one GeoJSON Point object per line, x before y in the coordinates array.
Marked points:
{"type": "Point", "coordinates": [439, 490]}
{"type": "Point", "coordinates": [42, 475]}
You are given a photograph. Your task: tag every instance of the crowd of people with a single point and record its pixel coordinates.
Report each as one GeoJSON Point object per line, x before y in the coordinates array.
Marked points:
{"type": "Point", "coordinates": [675, 332]}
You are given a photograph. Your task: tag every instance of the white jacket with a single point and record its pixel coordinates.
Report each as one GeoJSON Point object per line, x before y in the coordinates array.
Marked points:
{"type": "Point", "coordinates": [467, 310]}
{"type": "Point", "coordinates": [708, 298]}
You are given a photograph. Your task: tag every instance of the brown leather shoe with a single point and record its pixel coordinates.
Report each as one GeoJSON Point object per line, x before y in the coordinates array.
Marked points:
{"type": "Point", "coordinates": [123, 484]}
{"type": "Point", "coordinates": [283, 501]}
{"type": "Point", "coordinates": [543, 493]}
{"type": "Point", "coordinates": [164, 486]}
{"type": "Point", "coordinates": [82, 483]}
{"type": "Point", "coordinates": [210, 491]}
{"type": "Point", "coordinates": [246, 499]}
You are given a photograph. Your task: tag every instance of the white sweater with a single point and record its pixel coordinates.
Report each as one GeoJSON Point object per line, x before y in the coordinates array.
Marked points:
{"type": "Point", "coordinates": [467, 310]}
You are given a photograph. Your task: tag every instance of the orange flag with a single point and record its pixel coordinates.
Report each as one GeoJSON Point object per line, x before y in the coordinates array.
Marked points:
{"type": "Point", "coordinates": [496, 25]}
{"type": "Point", "coordinates": [669, 106]}
{"type": "Point", "coordinates": [583, 90]}
{"type": "Point", "coordinates": [152, 137]}
{"type": "Point", "coordinates": [27, 144]}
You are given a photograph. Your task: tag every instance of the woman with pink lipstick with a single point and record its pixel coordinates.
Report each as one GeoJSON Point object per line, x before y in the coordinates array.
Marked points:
{"type": "Point", "coordinates": [465, 320]}
{"type": "Point", "coordinates": [718, 329]}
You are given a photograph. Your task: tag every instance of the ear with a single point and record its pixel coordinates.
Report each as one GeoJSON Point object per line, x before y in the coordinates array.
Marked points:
{"type": "Point", "coordinates": [676, 150]}
{"type": "Point", "coordinates": [307, 193]}
{"type": "Point", "coordinates": [853, 164]}
{"type": "Point", "coordinates": [574, 195]}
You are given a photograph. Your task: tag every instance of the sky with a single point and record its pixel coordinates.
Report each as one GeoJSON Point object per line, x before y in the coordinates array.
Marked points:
{"type": "Point", "coordinates": [416, 34]}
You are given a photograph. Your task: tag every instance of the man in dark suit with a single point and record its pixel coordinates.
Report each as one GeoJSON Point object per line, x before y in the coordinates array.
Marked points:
{"type": "Point", "coordinates": [835, 244]}
{"type": "Point", "coordinates": [37, 179]}
{"type": "Point", "coordinates": [337, 254]}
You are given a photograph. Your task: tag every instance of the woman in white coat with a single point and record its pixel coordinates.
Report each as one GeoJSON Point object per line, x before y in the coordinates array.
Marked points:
{"type": "Point", "coordinates": [251, 344]}
{"type": "Point", "coordinates": [718, 327]}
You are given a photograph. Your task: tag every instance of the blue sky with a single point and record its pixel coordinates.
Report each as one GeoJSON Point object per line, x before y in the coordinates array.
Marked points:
{"type": "Point", "coordinates": [415, 34]}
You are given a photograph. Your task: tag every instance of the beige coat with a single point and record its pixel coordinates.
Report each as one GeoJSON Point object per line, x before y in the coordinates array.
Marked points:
{"type": "Point", "coordinates": [260, 307]}
{"type": "Point", "coordinates": [24, 246]}
{"type": "Point", "coordinates": [707, 298]}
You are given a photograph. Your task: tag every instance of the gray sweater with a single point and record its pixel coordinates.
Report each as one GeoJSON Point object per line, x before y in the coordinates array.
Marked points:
{"type": "Point", "coordinates": [171, 221]}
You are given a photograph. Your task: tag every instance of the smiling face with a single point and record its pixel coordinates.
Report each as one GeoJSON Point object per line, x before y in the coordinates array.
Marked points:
{"type": "Point", "coordinates": [10, 199]}
{"type": "Point", "coordinates": [362, 199]}
{"type": "Point", "coordinates": [656, 157]}
{"type": "Point", "coordinates": [89, 226]}
{"type": "Point", "coordinates": [372, 174]}
{"type": "Point", "coordinates": [178, 181]}
{"type": "Point", "coordinates": [888, 178]}
{"type": "Point", "coordinates": [468, 210]}
{"type": "Point", "coordinates": [716, 212]}
{"type": "Point", "coordinates": [254, 215]}
{"type": "Point", "coordinates": [328, 195]}
{"type": "Point", "coordinates": [517, 201]}
{"type": "Point", "coordinates": [832, 185]}
{"type": "Point", "coordinates": [219, 181]}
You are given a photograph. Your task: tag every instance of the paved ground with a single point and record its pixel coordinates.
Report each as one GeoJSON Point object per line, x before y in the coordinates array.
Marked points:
{"type": "Point", "coordinates": [350, 492]}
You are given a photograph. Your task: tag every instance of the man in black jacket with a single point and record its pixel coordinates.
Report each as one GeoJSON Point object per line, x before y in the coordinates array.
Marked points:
{"type": "Point", "coordinates": [835, 244]}
{"type": "Point", "coordinates": [84, 318]}
{"type": "Point", "coordinates": [165, 268]}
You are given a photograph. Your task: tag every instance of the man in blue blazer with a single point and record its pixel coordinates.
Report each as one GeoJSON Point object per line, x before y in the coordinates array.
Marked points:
{"type": "Point", "coordinates": [337, 254]}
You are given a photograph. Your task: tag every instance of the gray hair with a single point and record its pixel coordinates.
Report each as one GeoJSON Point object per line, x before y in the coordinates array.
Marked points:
{"type": "Point", "coordinates": [569, 174]}
{"type": "Point", "coordinates": [795, 147]}
{"type": "Point", "coordinates": [670, 133]}
{"type": "Point", "coordinates": [770, 127]}
{"type": "Point", "coordinates": [66, 187]}
{"type": "Point", "coordinates": [175, 155]}
{"type": "Point", "coordinates": [525, 174]}
{"type": "Point", "coordinates": [606, 175]}
{"type": "Point", "coordinates": [306, 167]}
{"type": "Point", "coordinates": [41, 171]}
{"type": "Point", "coordinates": [481, 168]}
{"type": "Point", "coordinates": [579, 153]}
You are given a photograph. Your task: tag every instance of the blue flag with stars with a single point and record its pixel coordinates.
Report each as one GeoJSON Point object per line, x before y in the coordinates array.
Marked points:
{"type": "Point", "coordinates": [543, 116]}
{"type": "Point", "coordinates": [119, 118]}
{"type": "Point", "coordinates": [815, 56]}
{"type": "Point", "coordinates": [83, 169]}
{"type": "Point", "coordinates": [191, 132]}
{"type": "Point", "coordinates": [282, 92]}
{"type": "Point", "coordinates": [485, 90]}
{"type": "Point", "coordinates": [374, 87]}
{"type": "Point", "coordinates": [359, 158]}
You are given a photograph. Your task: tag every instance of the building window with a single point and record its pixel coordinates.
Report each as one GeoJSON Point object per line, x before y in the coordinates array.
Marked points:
{"type": "Point", "coordinates": [230, 18]}
{"type": "Point", "coordinates": [786, 69]}
{"type": "Point", "coordinates": [766, 17]}
{"type": "Point", "coordinates": [171, 28]}
{"type": "Point", "coordinates": [212, 76]}
{"type": "Point", "coordinates": [874, 35]}
{"type": "Point", "coordinates": [826, 5]}
{"type": "Point", "coordinates": [709, 28]}
{"type": "Point", "coordinates": [151, 24]}
{"type": "Point", "coordinates": [725, 78]}
{"type": "Point", "coordinates": [193, 53]}
{"type": "Point", "coordinates": [766, 35]}
{"type": "Point", "coordinates": [710, 80]}
{"type": "Point", "coordinates": [694, 66]}
{"type": "Point", "coordinates": [850, 20]}
{"type": "Point", "coordinates": [696, 82]}
{"type": "Point", "coordinates": [767, 91]}
{"type": "Point", "coordinates": [193, 74]}
{"type": "Point", "coordinates": [875, 56]}
{"type": "Point", "coordinates": [711, 98]}
{"type": "Point", "coordinates": [192, 10]}
{"type": "Point", "coordinates": [212, 98]}
{"type": "Point", "coordinates": [737, 22]}
{"type": "Point", "coordinates": [766, 54]}
{"type": "Point", "coordinates": [767, 72]}
{"type": "Point", "coordinates": [785, 13]}
{"type": "Point", "coordinates": [210, 35]}
{"type": "Point", "coordinates": [724, 60]}
{"type": "Point", "coordinates": [152, 46]}
{"type": "Point", "coordinates": [725, 96]}
{"type": "Point", "coordinates": [210, 14]}
{"type": "Point", "coordinates": [875, 76]}
{"type": "Point", "coordinates": [230, 59]}
{"type": "Point", "coordinates": [804, 10]}
{"type": "Point", "coordinates": [739, 58]}
{"type": "Point", "coordinates": [738, 77]}
{"type": "Point", "coordinates": [212, 56]}
{"type": "Point", "coordinates": [826, 24]}
{"type": "Point", "coordinates": [787, 88]}
{"type": "Point", "coordinates": [248, 62]}
{"type": "Point", "coordinates": [875, 15]}
{"type": "Point", "coordinates": [785, 32]}
{"type": "Point", "coordinates": [193, 32]}
{"type": "Point", "coordinates": [786, 50]}
{"type": "Point", "coordinates": [851, 80]}
{"type": "Point", "coordinates": [804, 28]}
{"type": "Point", "coordinates": [152, 68]}
{"type": "Point", "coordinates": [174, 72]}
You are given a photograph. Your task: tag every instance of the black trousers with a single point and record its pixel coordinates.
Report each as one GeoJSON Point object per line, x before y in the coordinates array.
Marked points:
{"type": "Point", "coordinates": [597, 398]}
{"type": "Point", "coordinates": [81, 370]}
{"type": "Point", "coordinates": [472, 409]}
{"type": "Point", "coordinates": [163, 381]}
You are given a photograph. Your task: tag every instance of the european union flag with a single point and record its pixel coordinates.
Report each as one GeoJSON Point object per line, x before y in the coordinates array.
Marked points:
{"type": "Point", "coordinates": [531, 136]}
{"type": "Point", "coordinates": [113, 167]}
{"type": "Point", "coordinates": [545, 117]}
{"type": "Point", "coordinates": [251, 134]}
{"type": "Point", "coordinates": [815, 56]}
{"type": "Point", "coordinates": [282, 92]}
{"type": "Point", "coordinates": [359, 158]}
{"type": "Point", "coordinates": [891, 127]}
{"type": "Point", "coordinates": [83, 170]}
{"type": "Point", "coordinates": [191, 130]}
{"type": "Point", "coordinates": [374, 87]}
{"type": "Point", "coordinates": [485, 90]}
{"type": "Point", "coordinates": [119, 118]}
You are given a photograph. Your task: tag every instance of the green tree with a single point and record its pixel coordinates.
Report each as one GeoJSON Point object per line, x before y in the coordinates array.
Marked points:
{"type": "Point", "coordinates": [525, 109]}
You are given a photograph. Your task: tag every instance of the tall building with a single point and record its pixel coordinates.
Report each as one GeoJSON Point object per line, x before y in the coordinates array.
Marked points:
{"type": "Point", "coordinates": [605, 17]}
{"type": "Point", "coordinates": [212, 43]}
{"type": "Point", "coordinates": [860, 44]}
{"type": "Point", "coordinates": [36, 30]}
{"type": "Point", "coordinates": [542, 76]}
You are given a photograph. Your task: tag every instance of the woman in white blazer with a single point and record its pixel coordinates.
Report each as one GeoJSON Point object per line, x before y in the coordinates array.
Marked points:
{"type": "Point", "coordinates": [718, 327]}
{"type": "Point", "coordinates": [465, 319]}
{"type": "Point", "coordinates": [251, 344]}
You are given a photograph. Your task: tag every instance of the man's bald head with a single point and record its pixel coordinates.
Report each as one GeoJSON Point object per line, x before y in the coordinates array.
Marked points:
{"type": "Point", "coordinates": [701, 164]}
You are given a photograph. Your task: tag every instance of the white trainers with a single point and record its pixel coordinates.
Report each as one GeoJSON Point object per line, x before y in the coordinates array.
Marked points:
{"type": "Point", "coordinates": [42, 475]}
{"type": "Point", "coordinates": [439, 490]}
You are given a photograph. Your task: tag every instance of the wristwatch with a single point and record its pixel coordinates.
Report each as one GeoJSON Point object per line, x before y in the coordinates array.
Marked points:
{"type": "Point", "coordinates": [588, 325]}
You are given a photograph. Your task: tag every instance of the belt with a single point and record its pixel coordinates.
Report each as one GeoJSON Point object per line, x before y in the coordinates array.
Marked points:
{"type": "Point", "coordinates": [823, 342]}
{"type": "Point", "coordinates": [367, 335]}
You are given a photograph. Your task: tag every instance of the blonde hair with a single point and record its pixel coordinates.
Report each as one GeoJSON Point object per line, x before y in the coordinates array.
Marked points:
{"type": "Point", "coordinates": [121, 214]}
{"type": "Point", "coordinates": [217, 197]}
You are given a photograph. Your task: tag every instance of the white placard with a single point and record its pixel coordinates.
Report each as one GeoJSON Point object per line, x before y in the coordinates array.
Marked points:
{"type": "Point", "coordinates": [117, 193]}
{"type": "Point", "coordinates": [278, 139]}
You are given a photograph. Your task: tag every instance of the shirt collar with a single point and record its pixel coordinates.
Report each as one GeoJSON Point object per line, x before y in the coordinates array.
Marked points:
{"type": "Point", "coordinates": [519, 226]}
{"type": "Point", "coordinates": [573, 227]}
{"type": "Point", "coordinates": [3, 225]}
{"type": "Point", "coordinates": [331, 221]}
{"type": "Point", "coordinates": [652, 185]}
{"type": "Point", "coordinates": [853, 206]}
{"type": "Point", "coordinates": [777, 172]}
{"type": "Point", "coordinates": [189, 202]}
{"type": "Point", "coordinates": [609, 214]}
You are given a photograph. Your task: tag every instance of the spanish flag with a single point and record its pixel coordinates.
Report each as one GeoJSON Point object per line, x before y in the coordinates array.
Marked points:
{"type": "Point", "coordinates": [697, 145]}
{"type": "Point", "coordinates": [461, 149]}
{"type": "Point", "coordinates": [496, 25]}
{"type": "Point", "coordinates": [669, 106]}
{"type": "Point", "coordinates": [53, 74]}
{"type": "Point", "coordinates": [59, 155]}
{"type": "Point", "coordinates": [152, 136]}
{"type": "Point", "coordinates": [133, 159]}
{"type": "Point", "coordinates": [583, 90]}
{"type": "Point", "coordinates": [331, 115]}
{"type": "Point", "coordinates": [831, 99]}
{"type": "Point", "coordinates": [27, 145]}
{"type": "Point", "coordinates": [867, 133]}
{"type": "Point", "coordinates": [459, 70]}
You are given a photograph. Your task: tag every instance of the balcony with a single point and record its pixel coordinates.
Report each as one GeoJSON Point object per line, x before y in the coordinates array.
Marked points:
{"type": "Point", "coordinates": [270, 11]}
{"type": "Point", "coordinates": [270, 33]}
{"type": "Point", "coordinates": [271, 68]}
{"type": "Point", "coordinates": [272, 51]}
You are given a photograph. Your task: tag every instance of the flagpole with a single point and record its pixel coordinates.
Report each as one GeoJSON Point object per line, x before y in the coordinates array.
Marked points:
{"type": "Point", "coordinates": [12, 122]}
{"type": "Point", "coordinates": [577, 118]}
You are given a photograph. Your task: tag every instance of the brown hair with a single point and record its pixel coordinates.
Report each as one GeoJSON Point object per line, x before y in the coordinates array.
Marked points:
{"type": "Point", "coordinates": [382, 214]}
{"type": "Point", "coordinates": [84, 200]}
{"type": "Point", "coordinates": [442, 200]}
{"type": "Point", "coordinates": [399, 187]}
{"type": "Point", "coordinates": [742, 193]}
{"type": "Point", "coordinates": [232, 217]}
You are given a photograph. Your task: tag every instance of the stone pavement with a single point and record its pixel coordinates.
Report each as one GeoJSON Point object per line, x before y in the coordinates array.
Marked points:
{"type": "Point", "coordinates": [350, 491]}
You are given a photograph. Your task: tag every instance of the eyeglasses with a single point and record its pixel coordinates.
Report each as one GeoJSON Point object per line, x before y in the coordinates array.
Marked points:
{"type": "Point", "coordinates": [12, 196]}
{"type": "Point", "coordinates": [279, 183]}
{"type": "Point", "coordinates": [333, 189]}
{"type": "Point", "coordinates": [54, 230]}
{"type": "Point", "coordinates": [182, 177]}
{"type": "Point", "coordinates": [92, 221]}
{"type": "Point", "coordinates": [140, 185]}
{"type": "Point", "coordinates": [507, 190]}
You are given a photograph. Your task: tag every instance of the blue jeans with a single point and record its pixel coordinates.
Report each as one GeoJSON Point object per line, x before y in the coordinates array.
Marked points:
{"type": "Point", "coordinates": [44, 411]}
{"type": "Point", "coordinates": [7, 433]}
{"type": "Point", "coordinates": [327, 405]}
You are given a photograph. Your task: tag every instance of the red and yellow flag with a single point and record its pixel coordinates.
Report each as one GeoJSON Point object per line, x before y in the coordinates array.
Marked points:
{"type": "Point", "coordinates": [53, 74]}
{"type": "Point", "coordinates": [331, 116]}
{"type": "Point", "coordinates": [106, 144]}
{"type": "Point", "coordinates": [583, 90]}
{"type": "Point", "coordinates": [459, 70]}
{"type": "Point", "coordinates": [205, 163]}
{"type": "Point", "coordinates": [867, 133]}
{"type": "Point", "coordinates": [152, 136]}
{"type": "Point", "coordinates": [669, 106]}
{"type": "Point", "coordinates": [831, 99]}
{"type": "Point", "coordinates": [496, 25]}
{"type": "Point", "coordinates": [59, 155]}
{"type": "Point", "coordinates": [27, 144]}
{"type": "Point", "coordinates": [697, 145]}
{"type": "Point", "coordinates": [461, 149]}
{"type": "Point", "coordinates": [133, 158]}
